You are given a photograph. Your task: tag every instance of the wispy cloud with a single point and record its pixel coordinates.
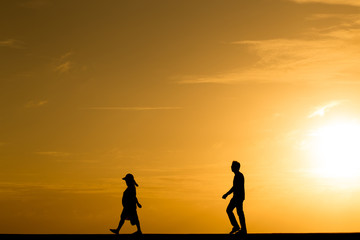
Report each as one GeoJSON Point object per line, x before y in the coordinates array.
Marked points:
{"type": "Point", "coordinates": [63, 67]}
{"type": "Point", "coordinates": [12, 43]}
{"type": "Point", "coordinates": [64, 64]}
{"type": "Point", "coordinates": [133, 108]}
{"type": "Point", "coordinates": [327, 55]}
{"type": "Point", "coordinates": [320, 111]}
{"type": "Point", "coordinates": [54, 154]}
{"type": "Point", "coordinates": [66, 55]}
{"type": "Point", "coordinates": [34, 4]}
{"type": "Point", "coordinates": [35, 104]}
{"type": "Point", "coordinates": [223, 78]}
{"type": "Point", "coordinates": [339, 16]}
{"type": "Point", "coordinates": [28, 189]}
{"type": "Point", "coordinates": [338, 2]}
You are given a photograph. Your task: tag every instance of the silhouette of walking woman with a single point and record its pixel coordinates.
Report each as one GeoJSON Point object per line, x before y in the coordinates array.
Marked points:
{"type": "Point", "coordinates": [238, 191]}
{"type": "Point", "coordinates": [129, 202]}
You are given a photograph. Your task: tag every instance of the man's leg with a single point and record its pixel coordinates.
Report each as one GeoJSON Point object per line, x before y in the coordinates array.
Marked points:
{"type": "Point", "coordinates": [240, 212]}
{"type": "Point", "coordinates": [229, 211]}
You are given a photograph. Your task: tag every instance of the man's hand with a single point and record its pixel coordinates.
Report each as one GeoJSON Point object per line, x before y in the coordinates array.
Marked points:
{"type": "Point", "coordinates": [224, 196]}
{"type": "Point", "coordinates": [139, 205]}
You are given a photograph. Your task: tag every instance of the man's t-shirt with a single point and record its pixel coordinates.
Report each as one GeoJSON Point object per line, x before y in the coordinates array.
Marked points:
{"type": "Point", "coordinates": [239, 186]}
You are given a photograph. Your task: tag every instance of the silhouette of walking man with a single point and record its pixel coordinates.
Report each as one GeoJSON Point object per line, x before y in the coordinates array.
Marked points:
{"type": "Point", "coordinates": [129, 202]}
{"type": "Point", "coordinates": [238, 191]}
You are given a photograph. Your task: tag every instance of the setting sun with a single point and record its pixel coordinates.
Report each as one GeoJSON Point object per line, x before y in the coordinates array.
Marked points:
{"type": "Point", "coordinates": [337, 150]}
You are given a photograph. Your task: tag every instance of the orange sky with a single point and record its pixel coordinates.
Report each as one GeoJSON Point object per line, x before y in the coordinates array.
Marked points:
{"type": "Point", "coordinates": [173, 91]}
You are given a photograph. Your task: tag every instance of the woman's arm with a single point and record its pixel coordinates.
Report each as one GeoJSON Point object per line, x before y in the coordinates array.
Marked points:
{"type": "Point", "coordinates": [137, 203]}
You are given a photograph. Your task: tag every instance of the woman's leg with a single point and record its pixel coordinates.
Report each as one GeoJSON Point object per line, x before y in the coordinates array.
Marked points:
{"type": "Point", "coordinates": [121, 223]}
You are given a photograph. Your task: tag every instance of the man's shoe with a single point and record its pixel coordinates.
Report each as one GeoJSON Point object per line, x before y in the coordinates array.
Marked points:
{"type": "Point", "coordinates": [242, 232]}
{"type": "Point", "coordinates": [234, 230]}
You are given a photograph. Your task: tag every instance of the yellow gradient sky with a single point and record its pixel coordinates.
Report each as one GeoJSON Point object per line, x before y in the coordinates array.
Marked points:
{"type": "Point", "coordinates": [173, 91]}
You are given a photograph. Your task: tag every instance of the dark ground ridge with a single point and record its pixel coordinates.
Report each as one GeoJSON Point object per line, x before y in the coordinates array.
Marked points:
{"type": "Point", "coordinates": [251, 236]}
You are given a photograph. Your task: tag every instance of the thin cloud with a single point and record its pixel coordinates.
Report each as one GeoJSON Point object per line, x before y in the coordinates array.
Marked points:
{"type": "Point", "coordinates": [337, 2]}
{"type": "Point", "coordinates": [36, 104]}
{"type": "Point", "coordinates": [28, 189]}
{"type": "Point", "coordinates": [63, 67]}
{"type": "Point", "coordinates": [54, 154]}
{"type": "Point", "coordinates": [34, 4]}
{"type": "Point", "coordinates": [322, 16]}
{"type": "Point", "coordinates": [320, 111]}
{"type": "Point", "coordinates": [66, 55]}
{"type": "Point", "coordinates": [11, 43]}
{"type": "Point", "coordinates": [64, 64]}
{"type": "Point", "coordinates": [133, 108]}
{"type": "Point", "coordinates": [321, 56]}
{"type": "Point", "coordinates": [220, 78]}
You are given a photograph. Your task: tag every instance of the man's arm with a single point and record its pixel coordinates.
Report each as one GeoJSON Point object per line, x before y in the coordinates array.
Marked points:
{"type": "Point", "coordinates": [228, 193]}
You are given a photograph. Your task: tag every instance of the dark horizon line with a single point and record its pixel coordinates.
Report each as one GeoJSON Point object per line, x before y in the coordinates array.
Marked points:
{"type": "Point", "coordinates": [187, 236]}
{"type": "Point", "coordinates": [250, 233]}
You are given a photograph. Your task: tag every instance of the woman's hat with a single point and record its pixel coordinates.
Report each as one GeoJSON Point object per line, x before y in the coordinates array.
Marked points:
{"type": "Point", "coordinates": [130, 177]}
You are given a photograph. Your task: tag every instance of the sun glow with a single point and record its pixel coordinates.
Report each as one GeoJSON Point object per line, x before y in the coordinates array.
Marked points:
{"type": "Point", "coordinates": [337, 150]}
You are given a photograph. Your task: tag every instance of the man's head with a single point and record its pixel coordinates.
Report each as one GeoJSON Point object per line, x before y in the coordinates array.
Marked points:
{"type": "Point", "coordinates": [235, 166]}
